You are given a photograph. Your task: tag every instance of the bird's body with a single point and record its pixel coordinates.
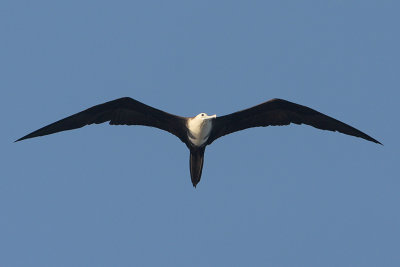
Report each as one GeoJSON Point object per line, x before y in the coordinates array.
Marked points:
{"type": "Point", "coordinates": [199, 131]}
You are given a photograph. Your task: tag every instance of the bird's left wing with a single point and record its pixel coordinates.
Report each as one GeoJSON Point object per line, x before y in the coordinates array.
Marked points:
{"type": "Point", "coordinates": [122, 111]}
{"type": "Point", "coordinates": [280, 112]}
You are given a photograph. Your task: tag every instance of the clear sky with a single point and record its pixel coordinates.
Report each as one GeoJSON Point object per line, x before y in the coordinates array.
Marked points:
{"type": "Point", "coordinates": [122, 196]}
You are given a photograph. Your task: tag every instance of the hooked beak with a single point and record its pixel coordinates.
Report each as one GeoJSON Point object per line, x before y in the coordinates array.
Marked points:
{"type": "Point", "coordinates": [211, 117]}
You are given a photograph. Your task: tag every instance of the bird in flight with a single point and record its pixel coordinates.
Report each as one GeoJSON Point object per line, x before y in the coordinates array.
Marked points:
{"type": "Point", "coordinates": [199, 131]}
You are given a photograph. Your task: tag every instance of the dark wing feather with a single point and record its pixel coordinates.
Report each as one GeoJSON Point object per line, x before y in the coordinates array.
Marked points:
{"type": "Point", "coordinates": [280, 112]}
{"type": "Point", "coordinates": [122, 111]}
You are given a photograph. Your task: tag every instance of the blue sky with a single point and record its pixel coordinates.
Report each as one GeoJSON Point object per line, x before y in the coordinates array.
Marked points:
{"type": "Point", "coordinates": [121, 196]}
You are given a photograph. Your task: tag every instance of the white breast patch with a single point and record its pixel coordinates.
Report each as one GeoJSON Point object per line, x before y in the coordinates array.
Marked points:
{"type": "Point", "coordinates": [199, 130]}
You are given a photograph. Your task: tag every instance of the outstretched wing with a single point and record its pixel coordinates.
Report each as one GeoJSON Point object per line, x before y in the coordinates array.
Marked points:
{"type": "Point", "coordinates": [280, 112]}
{"type": "Point", "coordinates": [122, 111]}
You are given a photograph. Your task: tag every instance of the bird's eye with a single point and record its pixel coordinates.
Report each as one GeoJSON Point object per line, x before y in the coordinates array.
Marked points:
{"type": "Point", "coordinates": [202, 114]}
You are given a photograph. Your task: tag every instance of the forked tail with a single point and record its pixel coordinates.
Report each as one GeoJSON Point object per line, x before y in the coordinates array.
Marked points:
{"type": "Point", "coordinates": [196, 164]}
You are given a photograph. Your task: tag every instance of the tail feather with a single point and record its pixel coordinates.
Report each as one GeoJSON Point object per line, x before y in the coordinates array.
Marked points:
{"type": "Point", "coordinates": [196, 164]}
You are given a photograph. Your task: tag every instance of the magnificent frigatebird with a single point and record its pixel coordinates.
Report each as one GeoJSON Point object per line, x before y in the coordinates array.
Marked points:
{"type": "Point", "coordinates": [199, 131]}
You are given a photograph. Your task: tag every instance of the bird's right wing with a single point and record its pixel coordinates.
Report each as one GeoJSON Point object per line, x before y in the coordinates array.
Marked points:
{"type": "Point", "coordinates": [280, 112]}
{"type": "Point", "coordinates": [122, 111]}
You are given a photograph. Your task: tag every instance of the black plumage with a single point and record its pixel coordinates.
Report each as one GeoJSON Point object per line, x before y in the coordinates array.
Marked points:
{"type": "Point", "coordinates": [127, 111]}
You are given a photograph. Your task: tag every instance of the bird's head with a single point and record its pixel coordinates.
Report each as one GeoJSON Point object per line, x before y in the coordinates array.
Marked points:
{"type": "Point", "coordinates": [205, 117]}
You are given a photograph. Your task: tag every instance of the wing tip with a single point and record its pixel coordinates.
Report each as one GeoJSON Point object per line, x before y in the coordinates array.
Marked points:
{"type": "Point", "coordinates": [369, 138]}
{"type": "Point", "coordinates": [379, 143]}
{"type": "Point", "coordinates": [31, 135]}
{"type": "Point", "coordinates": [20, 139]}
